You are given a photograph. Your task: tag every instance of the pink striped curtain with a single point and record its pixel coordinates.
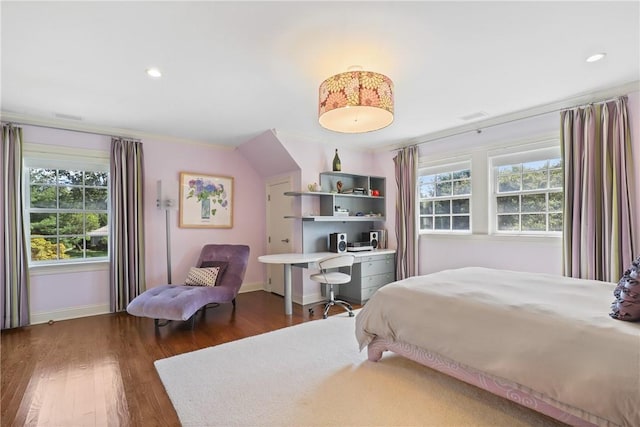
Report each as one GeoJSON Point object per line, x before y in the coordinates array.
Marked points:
{"type": "Point", "coordinates": [14, 269]}
{"type": "Point", "coordinates": [127, 222]}
{"type": "Point", "coordinates": [406, 168]}
{"type": "Point", "coordinates": [599, 233]}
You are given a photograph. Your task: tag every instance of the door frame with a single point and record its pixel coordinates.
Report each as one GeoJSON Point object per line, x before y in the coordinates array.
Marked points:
{"type": "Point", "coordinates": [282, 179]}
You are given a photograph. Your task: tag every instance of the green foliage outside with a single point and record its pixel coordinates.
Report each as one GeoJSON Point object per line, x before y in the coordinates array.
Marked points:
{"type": "Point", "coordinates": [42, 249]}
{"type": "Point", "coordinates": [61, 199]}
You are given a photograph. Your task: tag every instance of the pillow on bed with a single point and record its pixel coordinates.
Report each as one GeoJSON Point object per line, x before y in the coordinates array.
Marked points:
{"type": "Point", "coordinates": [202, 276]}
{"type": "Point", "coordinates": [627, 293]}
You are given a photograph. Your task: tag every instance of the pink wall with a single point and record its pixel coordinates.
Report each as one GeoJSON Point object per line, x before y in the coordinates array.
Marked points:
{"type": "Point", "coordinates": [164, 161]}
{"type": "Point", "coordinates": [56, 294]}
{"type": "Point", "coordinates": [532, 254]}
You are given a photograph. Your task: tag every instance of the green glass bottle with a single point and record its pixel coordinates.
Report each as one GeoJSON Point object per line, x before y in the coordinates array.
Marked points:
{"type": "Point", "coordinates": [337, 167]}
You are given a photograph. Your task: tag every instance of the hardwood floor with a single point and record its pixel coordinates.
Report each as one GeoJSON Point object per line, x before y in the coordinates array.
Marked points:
{"type": "Point", "coordinates": [98, 371]}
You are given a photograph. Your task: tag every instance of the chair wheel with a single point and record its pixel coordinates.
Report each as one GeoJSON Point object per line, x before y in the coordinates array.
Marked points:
{"type": "Point", "coordinates": [311, 311]}
{"type": "Point", "coordinates": [351, 314]}
{"type": "Point", "coordinates": [324, 316]}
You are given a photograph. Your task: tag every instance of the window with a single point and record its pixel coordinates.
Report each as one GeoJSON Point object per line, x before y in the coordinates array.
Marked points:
{"type": "Point", "coordinates": [528, 193]}
{"type": "Point", "coordinates": [67, 212]}
{"type": "Point", "coordinates": [445, 198]}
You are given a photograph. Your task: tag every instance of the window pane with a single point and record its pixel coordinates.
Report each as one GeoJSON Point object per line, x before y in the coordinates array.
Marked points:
{"type": "Point", "coordinates": [426, 223]}
{"type": "Point", "coordinates": [427, 191]}
{"type": "Point", "coordinates": [534, 203]}
{"type": "Point", "coordinates": [74, 247]}
{"type": "Point", "coordinates": [70, 197]}
{"type": "Point", "coordinates": [556, 201]}
{"type": "Point", "coordinates": [460, 222]}
{"type": "Point", "coordinates": [555, 178]}
{"type": "Point", "coordinates": [460, 206]}
{"type": "Point", "coordinates": [98, 179]}
{"type": "Point", "coordinates": [66, 177]}
{"type": "Point", "coordinates": [509, 169]}
{"type": "Point", "coordinates": [442, 223]}
{"type": "Point", "coordinates": [426, 179]}
{"type": "Point", "coordinates": [508, 223]}
{"type": "Point", "coordinates": [462, 174]}
{"type": "Point", "coordinates": [508, 183]}
{"type": "Point", "coordinates": [71, 223]}
{"type": "Point", "coordinates": [462, 187]}
{"type": "Point", "coordinates": [555, 163]}
{"type": "Point", "coordinates": [443, 189]}
{"type": "Point", "coordinates": [443, 176]}
{"type": "Point", "coordinates": [534, 222]}
{"type": "Point", "coordinates": [534, 180]}
{"type": "Point", "coordinates": [540, 165]}
{"type": "Point", "coordinates": [43, 224]}
{"type": "Point", "coordinates": [43, 196]}
{"type": "Point", "coordinates": [42, 176]}
{"type": "Point", "coordinates": [443, 207]}
{"type": "Point", "coordinates": [426, 207]}
{"type": "Point", "coordinates": [97, 246]}
{"type": "Point", "coordinates": [555, 222]}
{"type": "Point", "coordinates": [96, 198]}
{"type": "Point", "coordinates": [43, 249]}
{"type": "Point", "coordinates": [508, 204]}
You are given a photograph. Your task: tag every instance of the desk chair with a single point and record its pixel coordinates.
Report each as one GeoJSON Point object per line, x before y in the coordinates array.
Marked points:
{"type": "Point", "coordinates": [329, 276]}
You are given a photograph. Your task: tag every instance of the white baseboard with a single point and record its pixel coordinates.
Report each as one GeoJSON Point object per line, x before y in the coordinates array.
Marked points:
{"type": "Point", "coordinates": [70, 313]}
{"type": "Point", "coordinates": [295, 298]}
{"type": "Point", "coordinates": [252, 287]}
{"type": "Point", "coordinates": [313, 298]}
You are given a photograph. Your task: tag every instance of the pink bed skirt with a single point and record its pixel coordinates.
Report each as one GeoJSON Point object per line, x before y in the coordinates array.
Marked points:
{"type": "Point", "coordinates": [500, 387]}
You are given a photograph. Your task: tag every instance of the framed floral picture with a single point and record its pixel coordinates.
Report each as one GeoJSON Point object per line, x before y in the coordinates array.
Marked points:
{"type": "Point", "coordinates": [206, 201]}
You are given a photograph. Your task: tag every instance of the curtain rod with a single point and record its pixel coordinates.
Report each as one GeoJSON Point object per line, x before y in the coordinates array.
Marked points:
{"type": "Point", "coordinates": [69, 129]}
{"type": "Point", "coordinates": [479, 128]}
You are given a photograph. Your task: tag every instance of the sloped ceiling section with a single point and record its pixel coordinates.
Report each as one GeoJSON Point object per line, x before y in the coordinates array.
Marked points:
{"type": "Point", "coordinates": [267, 155]}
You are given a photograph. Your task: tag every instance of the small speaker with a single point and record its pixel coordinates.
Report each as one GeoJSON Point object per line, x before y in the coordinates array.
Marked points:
{"type": "Point", "coordinates": [373, 237]}
{"type": "Point", "coordinates": [338, 242]}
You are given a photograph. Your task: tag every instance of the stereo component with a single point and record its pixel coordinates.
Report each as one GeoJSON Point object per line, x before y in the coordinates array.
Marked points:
{"type": "Point", "coordinates": [338, 242]}
{"type": "Point", "coordinates": [373, 237]}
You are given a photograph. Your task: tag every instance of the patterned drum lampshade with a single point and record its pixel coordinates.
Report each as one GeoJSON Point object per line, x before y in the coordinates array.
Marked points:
{"type": "Point", "coordinates": [356, 102]}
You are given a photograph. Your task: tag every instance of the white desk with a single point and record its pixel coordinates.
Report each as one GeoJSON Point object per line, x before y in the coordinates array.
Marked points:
{"type": "Point", "coordinates": [303, 260]}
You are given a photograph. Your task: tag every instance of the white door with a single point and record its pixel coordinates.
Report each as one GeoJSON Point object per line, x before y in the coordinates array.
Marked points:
{"type": "Point", "coordinates": [279, 230]}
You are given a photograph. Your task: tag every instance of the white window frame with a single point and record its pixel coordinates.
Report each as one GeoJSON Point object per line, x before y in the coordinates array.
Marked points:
{"type": "Point", "coordinates": [544, 151]}
{"type": "Point", "coordinates": [57, 157]}
{"type": "Point", "coordinates": [445, 166]}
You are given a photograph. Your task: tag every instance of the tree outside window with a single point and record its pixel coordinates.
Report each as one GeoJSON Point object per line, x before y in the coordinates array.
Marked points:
{"type": "Point", "coordinates": [68, 214]}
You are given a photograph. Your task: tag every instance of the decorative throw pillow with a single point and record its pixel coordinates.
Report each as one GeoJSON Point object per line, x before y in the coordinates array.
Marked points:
{"type": "Point", "coordinates": [202, 276]}
{"type": "Point", "coordinates": [222, 265]}
{"type": "Point", "coordinates": [627, 294]}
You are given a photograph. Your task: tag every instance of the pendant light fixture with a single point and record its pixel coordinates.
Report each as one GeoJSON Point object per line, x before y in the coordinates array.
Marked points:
{"type": "Point", "coordinates": [356, 101]}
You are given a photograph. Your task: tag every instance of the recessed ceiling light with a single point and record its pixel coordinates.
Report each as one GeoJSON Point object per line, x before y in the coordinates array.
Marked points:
{"type": "Point", "coordinates": [154, 72]}
{"type": "Point", "coordinates": [596, 57]}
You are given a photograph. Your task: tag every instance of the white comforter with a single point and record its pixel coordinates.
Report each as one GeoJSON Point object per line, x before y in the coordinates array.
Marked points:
{"type": "Point", "coordinates": [550, 333]}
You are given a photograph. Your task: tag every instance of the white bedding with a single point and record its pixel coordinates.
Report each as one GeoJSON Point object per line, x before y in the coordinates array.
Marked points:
{"type": "Point", "coordinates": [550, 333]}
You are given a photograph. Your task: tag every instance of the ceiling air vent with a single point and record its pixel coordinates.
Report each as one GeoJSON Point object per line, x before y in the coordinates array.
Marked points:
{"type": "Point", "coordinates": [67, 116]}
{"type": "Point", "coordinates": [474, 116]}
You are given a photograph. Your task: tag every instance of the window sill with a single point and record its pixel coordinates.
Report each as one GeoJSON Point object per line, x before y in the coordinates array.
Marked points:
{"type": "Point", "coordinates": [71, 267]}
{"type": "Point", "coordinates": [538, 238]}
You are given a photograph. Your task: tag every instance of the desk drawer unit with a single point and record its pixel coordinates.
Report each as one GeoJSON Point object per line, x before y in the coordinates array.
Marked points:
{"type": "Point", "coordinates": [369, 274]}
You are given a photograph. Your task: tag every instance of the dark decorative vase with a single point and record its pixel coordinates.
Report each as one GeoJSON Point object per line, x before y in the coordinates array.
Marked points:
{"type": "Point", "coordinates": [337, 166]}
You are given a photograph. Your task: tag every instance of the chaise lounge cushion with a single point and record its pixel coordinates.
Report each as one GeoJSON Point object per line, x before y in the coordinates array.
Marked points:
{"type": "Point", "coordinates": [177, 302]}
{"type": "Point", "coordinates": [180, 302]}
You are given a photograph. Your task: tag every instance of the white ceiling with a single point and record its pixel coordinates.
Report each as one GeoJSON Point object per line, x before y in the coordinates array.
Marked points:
{"type": "Point", "coordinates": [235, 69]}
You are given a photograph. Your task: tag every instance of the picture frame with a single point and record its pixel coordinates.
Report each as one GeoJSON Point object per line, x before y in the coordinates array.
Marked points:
{"type": "Point", "coordinates": [206, 201]}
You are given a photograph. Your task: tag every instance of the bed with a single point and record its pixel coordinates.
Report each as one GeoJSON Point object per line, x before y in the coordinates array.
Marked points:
{"type": "Point", "coordinates": [544, 341]}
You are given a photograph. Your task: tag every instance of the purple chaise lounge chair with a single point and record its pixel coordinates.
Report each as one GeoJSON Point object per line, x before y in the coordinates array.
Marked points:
{"type": "Point", "coordinates": [181, 302]}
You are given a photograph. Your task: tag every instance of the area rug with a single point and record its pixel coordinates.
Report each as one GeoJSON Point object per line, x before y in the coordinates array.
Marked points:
{"type": "Point", "coordinates": [312, 374]}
